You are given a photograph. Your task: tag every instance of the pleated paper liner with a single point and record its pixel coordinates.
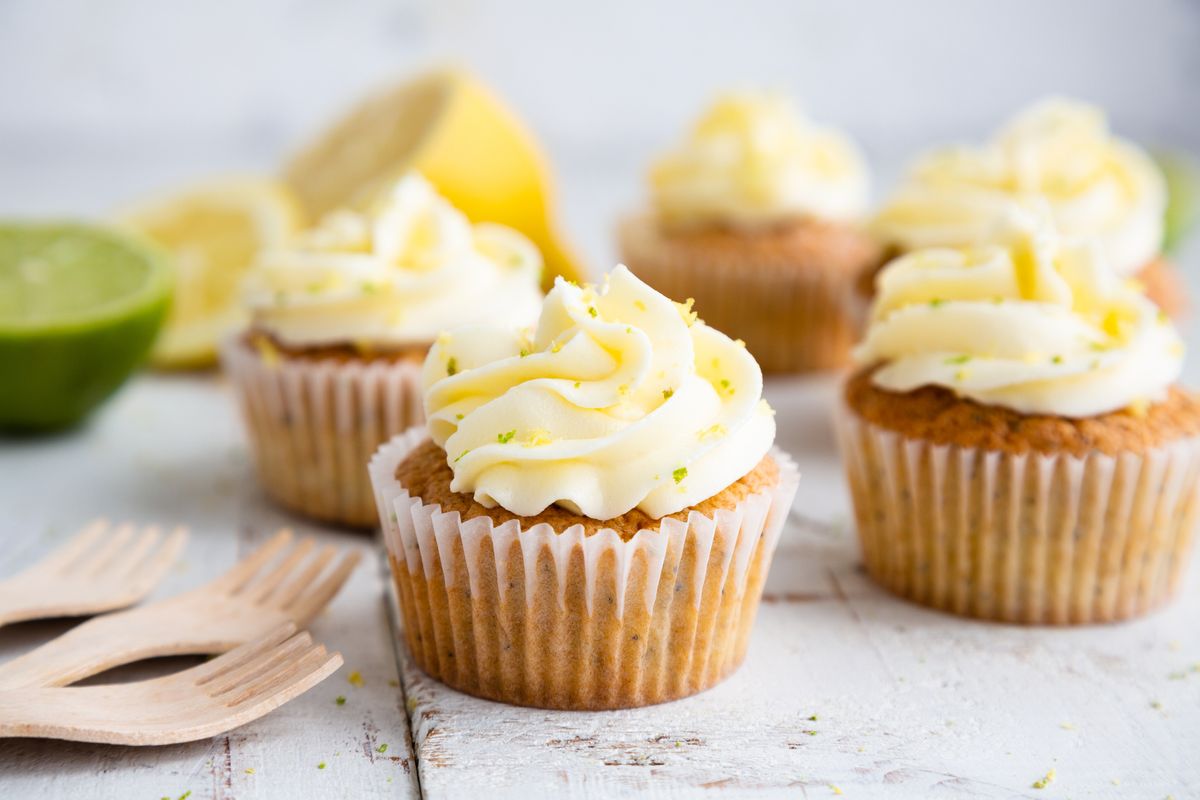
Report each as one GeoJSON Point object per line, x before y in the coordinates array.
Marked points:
{"type": "Point", "coordinates": [1030, 538]}
{"type": "Point", "coordinates": [794, 316]}
{"type": "Point", "coordinates": [556, 619]}
{"type": "Point", "coordinates": [314, 425]}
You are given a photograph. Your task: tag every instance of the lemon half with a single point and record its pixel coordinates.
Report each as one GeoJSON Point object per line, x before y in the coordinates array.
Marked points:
{"type": "Point", "coordinates": [458, 135]}
{"type": "Point", "coordinates": [213, 231]}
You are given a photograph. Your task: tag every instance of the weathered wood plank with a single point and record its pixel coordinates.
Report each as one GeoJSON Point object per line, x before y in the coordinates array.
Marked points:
{"type": "Point", "coordinates": [170, 450]}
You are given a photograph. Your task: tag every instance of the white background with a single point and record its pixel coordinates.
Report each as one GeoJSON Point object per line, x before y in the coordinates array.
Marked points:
{"type": "Point", "coordinates": [101, 102]}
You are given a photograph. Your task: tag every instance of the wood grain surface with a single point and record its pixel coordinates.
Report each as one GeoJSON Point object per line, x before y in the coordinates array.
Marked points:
{"type": "Point", "coordinates": [845, 689]}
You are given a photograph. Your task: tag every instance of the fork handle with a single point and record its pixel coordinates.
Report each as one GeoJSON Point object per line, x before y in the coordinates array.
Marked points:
{"type": "Point", "coordinates": [99, 644]}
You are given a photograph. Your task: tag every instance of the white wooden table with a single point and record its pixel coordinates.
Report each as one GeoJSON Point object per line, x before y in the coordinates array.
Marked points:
{"type": "Point", "coordinates": [845, 690]}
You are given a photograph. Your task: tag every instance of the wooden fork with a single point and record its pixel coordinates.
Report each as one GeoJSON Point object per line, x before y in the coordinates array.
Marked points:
{"type": "Point", "coordinates": [101, 568]}
{"type": "Point", "coordinates": [236, 608]}
{"type": "Point", "coordinates": [197, 703]}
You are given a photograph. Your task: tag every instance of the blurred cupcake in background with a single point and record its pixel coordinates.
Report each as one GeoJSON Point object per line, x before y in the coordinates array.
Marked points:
{"type": "Point", "coordinates": [755, 216]}
{"type": "Point", "coordinates": [1015, 443]}
{"type": "Point", "coordinates": [341, 320]}
{"type": "Point", "coordinates": [589, 518]}
{"type": "Point", "coordinates": [1060, 152]}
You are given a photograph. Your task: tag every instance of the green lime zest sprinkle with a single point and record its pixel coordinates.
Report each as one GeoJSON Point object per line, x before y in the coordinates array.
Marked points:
{"type": "Point", "coordinates": [1057, 360]}
{"type": "Point", "coordinates": [505, 438]}
{"type": "Point", "coordinates": [185, 795]}
{"type": "Point", "coordinates": [964, 358]}
{"type": "Point", "coordinates": [321, 765]}
{"type": "Point", "coordinates": [452, 366]}
{"type": "Point", "coordinates": [813, 718]}
{"type": "Point", "coordinates": [577, 384]}
{"type": "Point", "coordinates": [369, 288]}
{"type": "Point", "coordinates": [524, 352]}
{"type": "Point", "coordinates": [340, 700]}
{"type": "Point", "coordinates": [667, 393]}
{"type": "Point", "coordinates": [592, 311]}
{"type": "Point", "coordinates": [382, 748]}
{"type": "Point", "coordinates": [458, 416]}
{"type": "Point", "coordinates": [679, 474]}
{"type": "Point", "coordinates": [936, 302]}
{"type": "Point", "coordinates": [460, 455]}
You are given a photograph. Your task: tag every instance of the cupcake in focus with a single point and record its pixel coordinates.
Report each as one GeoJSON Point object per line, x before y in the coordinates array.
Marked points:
{"type": "Point", "coordinates": [1015, 443]}
{"type": "Point", "coordinates": [755, 215]}
{"type": "Point", "coordinates": [341, 321]}
{"type": "Point", "coordinates": [588, 519]}
{"type": "Point", "coordinates": [1059, 152]}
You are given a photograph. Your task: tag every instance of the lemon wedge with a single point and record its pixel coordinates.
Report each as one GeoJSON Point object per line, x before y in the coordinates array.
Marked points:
{"type": "Point", "coordinates": [213, 231]}
{"type": "Point", "coordinates": [460, 136]}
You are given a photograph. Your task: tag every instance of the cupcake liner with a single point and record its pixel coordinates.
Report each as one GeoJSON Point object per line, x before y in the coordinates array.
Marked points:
{"type": "Point", "coordinates": [1031, 538]}
{"type": "Point", "coordinates": [314, 425]}
{"type": "Point", "coordinates": [792, 319]}
{"type": "Point", "coordinates": [559, 619]}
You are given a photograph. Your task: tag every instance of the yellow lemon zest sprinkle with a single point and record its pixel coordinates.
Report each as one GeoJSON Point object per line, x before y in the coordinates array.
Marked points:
{"type": "Point", "coordinates": [538, 437]}
{"type": "Point", "coordinates": [267, 351]}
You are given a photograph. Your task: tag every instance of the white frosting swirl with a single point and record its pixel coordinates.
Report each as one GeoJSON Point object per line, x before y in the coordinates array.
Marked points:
{"type": "Point", "coordinates": [1060, 151]}
{"type": "Point", "coordinates": [754, 160]}
{"type": "Point", "coordinates": [1038, 324]}
{"type": "Point", "coordinates": [620, 399]}
{"type": "Point", "coordinates": [395, 277]}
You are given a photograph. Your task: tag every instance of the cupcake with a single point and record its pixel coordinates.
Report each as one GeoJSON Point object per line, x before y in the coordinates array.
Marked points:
{"type": "Point", "coordinates": [755, 216]}
{"type": "Point", "coordinates": [587, 520]}
{"type": "Point", "coordinates": [1015, 443]}
{"type": "Point", "coordinates": [1060, 152]}
{"type": "Point", "coordinates": [341, 321]}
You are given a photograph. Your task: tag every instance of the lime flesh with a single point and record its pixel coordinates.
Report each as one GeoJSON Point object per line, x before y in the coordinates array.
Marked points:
{"type": "Point", "coordinates": [80, 306]}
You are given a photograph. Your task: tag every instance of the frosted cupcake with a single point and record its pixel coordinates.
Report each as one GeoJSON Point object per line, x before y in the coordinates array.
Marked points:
{"type": "Point", "coordinates": [1015, 444]}
{"type": "Point", "coordinates": [755, 216]}
{"type": "Point", "coordinates": [341, 322]}
{"type": "Point", "coordinates": [1059, 152]}
{"type": "Point", "coordinates": [588, 520]}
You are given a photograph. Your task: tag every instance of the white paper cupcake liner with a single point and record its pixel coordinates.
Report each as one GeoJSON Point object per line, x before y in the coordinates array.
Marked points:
{"type": "Point", "coordinates": [1021, 538]}
{"type": "Point", "coordinates": [560, 619]}
{"type": "Point", "coordinates": [314, 424]}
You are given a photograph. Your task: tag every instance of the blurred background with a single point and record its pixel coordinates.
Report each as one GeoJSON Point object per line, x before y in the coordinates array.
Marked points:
{"type": "Point", "coordinates": [106, 102]}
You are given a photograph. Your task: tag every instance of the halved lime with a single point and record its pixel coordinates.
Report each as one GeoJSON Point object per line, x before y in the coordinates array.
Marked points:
{"type": "Point", "coordinates": [80, 306]}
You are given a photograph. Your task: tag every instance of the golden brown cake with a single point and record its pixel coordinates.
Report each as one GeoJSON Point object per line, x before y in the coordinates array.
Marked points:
{"type": "Point", "coordinates": [1016, 449]}
{"type": "Point", "coordinates": [574, 531]}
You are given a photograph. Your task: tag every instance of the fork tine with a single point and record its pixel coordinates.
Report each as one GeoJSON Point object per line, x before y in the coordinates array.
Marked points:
{"type": "Point", "coordinates": [260, 588]}
{"type": "Point", "coordinates": [148, 571]}
{"type": "Point", "coordinates": [243, 654]}
{"type": "Point", "coordinates": [279, 677]}
{"type": "Point", "coordinates": [123, 563]}
{"type": "Point", "coordinates": [109, 550]}
{"type": "Point", "coordinates": [241, 573]}
{"type": "Point", "coordinates": [73, 549]}
{"type": "Point", "coordinates": [286, 594]}
{"type": "Point", "coordinates": [311, 602]}
{"type": "Point", "coordinates": [264, 663]}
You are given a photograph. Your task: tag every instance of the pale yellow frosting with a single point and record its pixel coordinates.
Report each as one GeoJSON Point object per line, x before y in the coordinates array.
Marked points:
{"type": "Point", "coordinates": [754, 160]}
{"type": "Point", "coordinates": [1060, 152]}
{"type": "Point", "coordinates": [620, 399]}
{"type": "Point", "coordinates": [395, 276]}
{"type": "Point", "coordinates": [1036, 323]}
